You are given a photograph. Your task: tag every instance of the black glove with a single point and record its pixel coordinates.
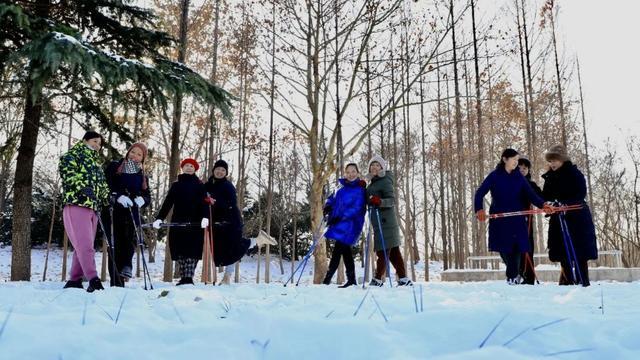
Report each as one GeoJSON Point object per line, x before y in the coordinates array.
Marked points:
{"type": "Point", "coordinates": [326, 210]}
{"type": "Point", "coordinates": [88, 192]}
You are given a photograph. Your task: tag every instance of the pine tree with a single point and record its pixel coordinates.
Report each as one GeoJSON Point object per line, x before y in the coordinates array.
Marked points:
{"type": "Point", "coordinates": [88, 49]}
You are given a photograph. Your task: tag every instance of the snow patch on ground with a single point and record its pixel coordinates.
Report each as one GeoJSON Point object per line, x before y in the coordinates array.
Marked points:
{"type": "Point", "coordinates": [269, 321]}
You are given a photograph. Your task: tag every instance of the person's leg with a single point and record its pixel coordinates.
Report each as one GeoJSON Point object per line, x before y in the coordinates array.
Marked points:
{"type": "Point", "coordinates": [80, 224]}
{"type": "Point", "coordinates": [333, 264]}
{"type": "Point", "coordinates": [566, 274]}
{"type": "Point", "coordinates": [381, 265]}
{"type": "Point", "coordinates": [584, 271]}
{"type": "Point", "coordinates": [505, 259]}
{"type": "Point", "coordinates": [349, 264]}
{"type": "Point", "coordinates": [395, 257]}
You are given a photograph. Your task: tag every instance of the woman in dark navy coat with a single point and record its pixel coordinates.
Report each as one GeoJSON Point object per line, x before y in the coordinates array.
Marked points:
{"type": "Point", "coordinates": [509, 235]}
{"type": "Point", "coordinates": [566, 184]}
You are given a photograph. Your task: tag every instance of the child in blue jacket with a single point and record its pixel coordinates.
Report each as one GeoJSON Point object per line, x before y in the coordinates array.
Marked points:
{"type": "Point", "coordinates": [345, 211]}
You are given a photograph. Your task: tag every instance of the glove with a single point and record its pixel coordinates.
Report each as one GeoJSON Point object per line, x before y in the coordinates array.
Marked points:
{"type": "Point", "coordinates": [156, 224]}
{"type": "Point", "coordinates": [548, 209]}
{"type": "Point", "coordinates": [204, 223]}
{"type": "Point", "coordinates": [209, 200]}
{"type": "Point", "coordinates": [375, 201]}
{"type": "Point", "coordinates": [139, 201]}
{"type": "Point", "coordinates": [125, 201]}
{"type": "Point", "coordinates": [88, 192]}
{"type": "Point", "coordinates": [326, 210]}
{"type": "Point", "coordinates": [481, 215]}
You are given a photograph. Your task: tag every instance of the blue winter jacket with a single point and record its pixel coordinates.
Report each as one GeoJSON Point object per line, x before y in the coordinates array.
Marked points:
{"type": "Point", "coordinates": [509, 234]}
{"type": "Point", "coordinates": [348, 208]}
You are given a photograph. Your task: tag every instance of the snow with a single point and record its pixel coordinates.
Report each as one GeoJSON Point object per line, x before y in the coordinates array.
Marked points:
{"type": "Point", "coordinates": [269, 321]}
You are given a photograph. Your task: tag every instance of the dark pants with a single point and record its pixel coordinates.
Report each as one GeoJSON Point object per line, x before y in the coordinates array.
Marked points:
{"type": "Point", "coordinates": [566, 274]}
{"type": "Point", "coordinates": [512, 260]}
{"type": "Point", "coordinates": [395, 258]}
{"type": "Point", "coordinates": [124, 238]}
{"type": "Point", "coordinates": [344, 251]}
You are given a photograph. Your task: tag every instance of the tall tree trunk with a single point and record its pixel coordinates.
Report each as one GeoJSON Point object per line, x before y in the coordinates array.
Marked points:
{"type": "Point", "coordinates": [23, 183]}
{"type": "Point", "coordinates": [584, 136]}
{"type": "Point", "coordinates": [441, 172]}
{"type": "Point", "coordinates": [425, 211]}
{"type": "Point", "coordinates": [213, 124]}
{"type": "Point", "coordinates": [461, 203]}
{"type": "Point", "coordinates": [174, 162]}
{"type": "Point", "coordinates": [563, 122]}
{"type": "Point", "coordinates": [267, 272]}
{"type": "Point", "coordinates": [481, 147]}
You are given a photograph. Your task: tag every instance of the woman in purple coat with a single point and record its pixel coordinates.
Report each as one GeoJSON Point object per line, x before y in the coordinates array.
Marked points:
{"type": "Point", "coordinates": [345, 212]}
{"type": "Point", "coordinates": [509, 235]}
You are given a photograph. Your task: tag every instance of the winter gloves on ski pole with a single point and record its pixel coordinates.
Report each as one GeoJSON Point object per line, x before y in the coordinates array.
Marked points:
{"type": "Point", "coordinates": [157, 223]}
{"type": "Point", "coordinates": [139, 201]}
{"type": "Point", "coordinates": [375, 201]}
{"type": "Point", "coordinates": [548, 208]}
{"type": "Point", "coordinates": [204, 223]}
{"type": "Point", "coordinates": [125, 201]}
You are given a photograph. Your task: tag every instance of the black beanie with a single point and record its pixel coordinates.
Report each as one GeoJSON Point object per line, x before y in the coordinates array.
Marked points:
{"type": "Point", "coordinates": [223, 164]}
{"type": "Point", "coordinates": [92, 135]}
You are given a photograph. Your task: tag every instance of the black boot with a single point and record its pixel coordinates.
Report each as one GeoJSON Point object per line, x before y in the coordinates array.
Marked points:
{"type": "Point", "coordinates": [95, 284]}
{"type": "Point", "coordinates": [327, 280]}
{"type": "Point", "coordinates": [349, 282]}
{"type": "Point", "coordinates": [74, 284]}
{"type": "Point", "coordinates": [185, 281]}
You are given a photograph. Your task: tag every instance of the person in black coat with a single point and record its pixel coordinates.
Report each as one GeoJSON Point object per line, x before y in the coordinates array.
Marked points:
{"type": "Point", "coordinates": [229, 246]}
{"type": "Point", "coordinates": [527, 266]}
{"type": "Point", "coordinates": [566, 184]}
{"type": "Point", "coordinates": [129, 189]}
{"type": "Point", "coordinates": [188, 199]}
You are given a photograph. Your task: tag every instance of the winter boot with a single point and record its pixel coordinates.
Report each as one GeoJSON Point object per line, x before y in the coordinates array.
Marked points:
{"type": "Point", "coordinates": [349, 282]}
{"type": "Point", "coordinates": [95, 284]}
{"type": "Point", "coordinates": [185, 281]}
{"type": "Point", "coordinates": [376, 282]}
{"type": "Point", "coordinates": [74, 284]}
{"type": "Point", "coordinates": [327, 280]}
{"type": "Point", "coordinates": [126, 272]}
{"type": "Point", "coordinates": [405, 281]}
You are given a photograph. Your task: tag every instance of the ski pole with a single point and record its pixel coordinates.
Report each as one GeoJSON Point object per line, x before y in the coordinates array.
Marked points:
{"type": "Point", "coordinates": [563, 208]}
{"type": "Point", "coordinates": [572, 255]}
{"type": "Point", "coordinates": [307, 255]}
{"type": "Point", "coordinates": [318, 237]}
{"type": "Point", "coordinates": [384, 247]}
{"type": "Point", "coordinates": [140, 242]}
{"type": "Point", "coordinates": [148, 225]}
{"type": "Point", "coordinates": [214, 277]}
{"type": "Point", "coordinates": [117, 280]}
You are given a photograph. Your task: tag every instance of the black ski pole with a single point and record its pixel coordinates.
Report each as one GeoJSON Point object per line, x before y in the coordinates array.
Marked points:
{"type": "Point", "coordinates": [110, 251]}
{"type": "Point", "coordinates": [140, 244]}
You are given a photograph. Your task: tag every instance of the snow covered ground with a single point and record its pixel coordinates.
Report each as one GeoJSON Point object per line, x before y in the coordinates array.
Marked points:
{"type": "Point", "coordinates": [39, 320]}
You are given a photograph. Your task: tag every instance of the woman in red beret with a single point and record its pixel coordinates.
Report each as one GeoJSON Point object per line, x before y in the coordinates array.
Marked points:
{"type": "Point", "coordinates": [187, 197]}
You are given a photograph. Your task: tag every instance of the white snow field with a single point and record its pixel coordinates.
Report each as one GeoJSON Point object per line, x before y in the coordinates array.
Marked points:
{"type": "Point", "coordinates": [486, 320]}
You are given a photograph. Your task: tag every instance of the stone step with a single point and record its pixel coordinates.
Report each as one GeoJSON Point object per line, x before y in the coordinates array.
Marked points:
{"type": "Point", "coordinates": [544, 275]}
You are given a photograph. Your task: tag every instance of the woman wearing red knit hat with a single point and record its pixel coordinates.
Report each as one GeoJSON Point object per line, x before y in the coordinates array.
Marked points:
{"type": "Point", "coordinates": [187, 198]}
{"type": "Point", "coordinates": [129, 188]}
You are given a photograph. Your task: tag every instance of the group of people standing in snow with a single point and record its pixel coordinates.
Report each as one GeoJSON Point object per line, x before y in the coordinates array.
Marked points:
{"type": "Point", "coordinates": [119, 192]}
{"type": "Point", "coordinates": [571, 234]}
{"type": "Point", "coordinates": [123, 189]}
